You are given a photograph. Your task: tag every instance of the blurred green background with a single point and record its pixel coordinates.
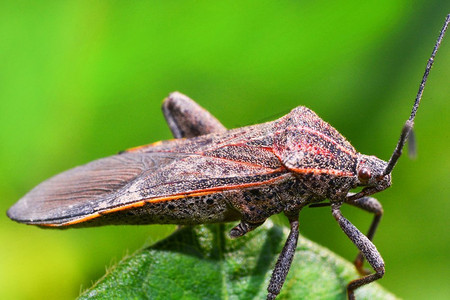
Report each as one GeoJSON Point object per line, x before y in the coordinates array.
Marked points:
{"type": "Point", "coordinates": [80, 80]}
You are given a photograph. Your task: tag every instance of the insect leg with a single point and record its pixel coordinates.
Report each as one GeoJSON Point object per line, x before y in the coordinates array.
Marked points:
{"type": "Point", "coordinates": [364, 245]}
{"type": "Point", "coordinates": [242, 228]}
{"type": "Point", "coordinates": [371, 205]}
{"type": "Point", "coordinates": [188, 119]}
{"type": "Point", "coordinates": [284, 260]}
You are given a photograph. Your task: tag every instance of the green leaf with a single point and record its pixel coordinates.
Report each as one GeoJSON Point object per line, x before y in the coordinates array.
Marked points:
{"type": "Point", "coordinates": [201, 262]}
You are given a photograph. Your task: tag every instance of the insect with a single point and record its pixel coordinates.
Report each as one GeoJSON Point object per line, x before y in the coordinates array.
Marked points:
{"type": "Point", "coordinates": [209, 174]}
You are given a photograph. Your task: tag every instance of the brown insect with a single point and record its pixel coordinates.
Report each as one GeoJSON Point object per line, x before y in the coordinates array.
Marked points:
{"type": "Point", "coordinates": [211, 175]}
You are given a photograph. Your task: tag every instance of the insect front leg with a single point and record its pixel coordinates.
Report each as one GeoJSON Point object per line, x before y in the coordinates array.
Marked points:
{"type": "Point", "coordinates": [188, 119]}
{"type": "Point", "coordinates": [284, 260]}
{"type": "Point", "coordinates": [367, 248]}
{"type": "Point", "coordinates": [371, 205]}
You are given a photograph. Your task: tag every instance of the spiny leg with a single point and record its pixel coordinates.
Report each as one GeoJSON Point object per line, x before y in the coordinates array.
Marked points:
{"type": "Point", "coordinates": [242, 228]}
{"type": "Point", "coordinates": [188, 119]}
{"type": "Point", "coordinates": [371, 205]}
{"type": "Point", "coordinates": [284, 260]}
{"type": "Point", "coordinates": [364, 245]}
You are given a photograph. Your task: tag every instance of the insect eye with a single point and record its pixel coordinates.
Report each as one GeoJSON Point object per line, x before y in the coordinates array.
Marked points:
{"type": "Point", "coordinates": [364, 174]}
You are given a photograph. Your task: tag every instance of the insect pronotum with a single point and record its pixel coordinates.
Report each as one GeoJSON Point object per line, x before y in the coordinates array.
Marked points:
{"type": "Point", "coordinates": [215, 175]}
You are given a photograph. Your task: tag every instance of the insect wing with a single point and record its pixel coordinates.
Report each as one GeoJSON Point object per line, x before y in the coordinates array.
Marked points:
{"type": "Point", "coordinates": [77, 192]}
{"type": "Point", "coordinates": [129, 180]}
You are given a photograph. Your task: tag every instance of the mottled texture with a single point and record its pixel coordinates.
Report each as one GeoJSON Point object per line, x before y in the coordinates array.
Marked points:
{"type": "Point", "coordinates": [365, 246]}
{"type": "Point", "coordinates": [284, 261]}
{"type": "Point", "coordinates": [227, 164]}
{"type": "Point", "coordinates": [216, 176]}
{"type": "Point", "coordinates": [187, 119]}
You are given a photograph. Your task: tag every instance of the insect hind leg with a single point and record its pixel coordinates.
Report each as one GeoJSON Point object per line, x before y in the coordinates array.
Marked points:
{"type": "Point", "coordinates": [188, 119]}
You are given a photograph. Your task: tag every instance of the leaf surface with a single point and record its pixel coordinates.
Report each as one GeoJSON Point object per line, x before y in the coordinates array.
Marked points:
{"type": "Point", "coordinates": [203, 263]}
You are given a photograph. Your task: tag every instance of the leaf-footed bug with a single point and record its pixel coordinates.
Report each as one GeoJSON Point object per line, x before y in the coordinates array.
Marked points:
{"type": "Point", "coordinates": [210, 175]}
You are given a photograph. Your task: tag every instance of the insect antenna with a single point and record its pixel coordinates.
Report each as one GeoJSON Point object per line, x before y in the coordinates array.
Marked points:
{"type": "Point", "coordinates": [410, 122]}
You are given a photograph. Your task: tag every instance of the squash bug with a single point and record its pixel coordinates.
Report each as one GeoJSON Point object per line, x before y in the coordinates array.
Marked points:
{"type": "Point", "coordinates": [209, 174]}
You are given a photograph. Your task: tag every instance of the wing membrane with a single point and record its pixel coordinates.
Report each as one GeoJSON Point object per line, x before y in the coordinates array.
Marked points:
{"type": "Point", "coordinates": [127, 178]}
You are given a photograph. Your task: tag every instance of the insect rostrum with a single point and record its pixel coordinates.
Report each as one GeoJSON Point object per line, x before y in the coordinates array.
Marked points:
{"type": "Point", "coordinates": [211, 175]}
